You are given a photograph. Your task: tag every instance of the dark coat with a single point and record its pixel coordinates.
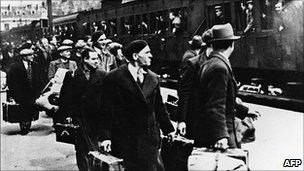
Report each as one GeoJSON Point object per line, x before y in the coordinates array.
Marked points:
{"type": "Point", "coordinates": [23, 91]}
{"type": "Point", "coordinates": [133, 117]}
{"type": "Point", "coordinates": [80, 99]}
{"type": "Point", "coordinates": [44, 58]}
{"type": "Point", "coordinates": [54, 65]}
{"type": "Point", "coordinates": [217, 101]}
{"type": "Point", "coordinates": [187, 93]}
{"type": "Point", "coordinates": [186, 56]}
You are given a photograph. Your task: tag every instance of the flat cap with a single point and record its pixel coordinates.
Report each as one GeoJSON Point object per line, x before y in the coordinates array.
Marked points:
{"type": "Point", "coordinates": [64, 47]}
{"type": "Point", "coordinates": [25, 52]}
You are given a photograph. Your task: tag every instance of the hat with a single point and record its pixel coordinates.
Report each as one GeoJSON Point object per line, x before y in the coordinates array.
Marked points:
{"type": "Point", "coordinates": [249, 2]}
{"type": "Point", "coordinates": [223, 32]}
{"type": "Point", "coordinates": [107, 41]}
{"type": "Point", "coordinates": [217, 7]}
{"type": "Point", "coordinates": [67, 42]}
{"type": "Point", "coordinates": [96, 35]}
{"type": "Point", "coordinates": [63, 48]}
{"type": "Point", "coordinates": [197, 41]}
{"type": "Point", "coordinates": [80, 44]}
{"type": "Point", "coordinates": [25, 52]}
{"type": "Point", "coordinates": [26, 46]}
{"type": "Point", "coordinates": [134, 47]}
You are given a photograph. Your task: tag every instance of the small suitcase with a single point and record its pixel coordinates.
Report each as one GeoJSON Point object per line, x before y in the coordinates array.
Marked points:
{"type": "Point", "coordinates": [209, 159]}
{"type": "Point", "coordinates": [66, 133]}
{"type": "Point", "coordinates": [105, 162]}
{"type": "Point", "coordinates": [11, 112]}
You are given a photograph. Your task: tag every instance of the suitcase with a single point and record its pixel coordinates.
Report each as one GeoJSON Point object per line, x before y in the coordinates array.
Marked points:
{"type": "Point", "coordinates": [11, 112]}
{"type": "Point", "coordinates": [209, 159]}
{"type": "Point", "coordinates": [66, 133]}
{"type": "Point", "coordinates": [105, 162]}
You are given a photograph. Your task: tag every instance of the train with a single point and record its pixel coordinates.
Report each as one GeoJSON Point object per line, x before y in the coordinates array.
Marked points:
{"type": "Point", "coordinates": [269, 56]}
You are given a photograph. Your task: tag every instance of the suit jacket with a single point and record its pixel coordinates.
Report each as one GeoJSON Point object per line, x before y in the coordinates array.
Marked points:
{"type": "Point", "coordinates": [23, 91]}
{"type": "Point", "coordinates": [44, 58]}
{"type": "Point", "coordinates": [133, 117]}
{"type": "Point", "coordinates": [54, 65]}
{"type": "Point", "coordinates": [80, 99]}
{"type": "Point", "coordinates": [187, 55]}
{"type": "Point", "coordinates": [217, 100]}
{"type": "Point", "coordinates": [187, 93]}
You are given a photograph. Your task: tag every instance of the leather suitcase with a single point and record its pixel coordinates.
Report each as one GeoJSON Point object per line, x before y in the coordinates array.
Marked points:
{"type": "Point", "coordinates": [66, 133]}
{"type": "Point", "coordinates": [105, 162]}
{"type": "Point", "coordinates": [11, 112]}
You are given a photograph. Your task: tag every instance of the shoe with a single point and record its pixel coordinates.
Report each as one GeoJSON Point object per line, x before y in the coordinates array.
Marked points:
{"type": "Point", "coordinates": [24, 132]}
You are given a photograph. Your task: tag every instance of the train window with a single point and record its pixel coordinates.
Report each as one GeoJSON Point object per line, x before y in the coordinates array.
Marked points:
{"type": "Point", "coordinates": [153, 21]}
{"type": "Point", "coordinates": [137, 25]}
{"type": "Point", "coordinates": [240, 19]}
{"type": "Point", "coordinates": [219, 14]}
{"type": "Point", "coordinates": [178, 19]}
{"type": "Point", "coordinates": [144, 24]}
{"type": "Point", "coordinates": [161, 23]}
{"type": "Point", "coordinates": [112, 27]}
{"type": "Point", "coordinates": [266, 13]}
{"type": "Point", "coordinates": [125, 26]}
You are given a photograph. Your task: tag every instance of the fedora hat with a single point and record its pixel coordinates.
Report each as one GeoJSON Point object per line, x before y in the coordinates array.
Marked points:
{"type": "Point", "coordinates": [25, 52]}
{"type": "Point", "coordinates": [197, 41]}
{"type": "Point", "coordinates": [223, 32]}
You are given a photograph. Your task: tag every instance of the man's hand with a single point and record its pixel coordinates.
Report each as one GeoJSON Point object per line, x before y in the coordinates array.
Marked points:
{"type": "Point", "coordinates": [221, 144]}
{"type": "Point", "coordinates": [181, 128]}
{"type": "Point", "coordinates": [105, 145]}
{"type": "Point", "coordinates": [253, 114]}
{"type": "Point", "coordinates": [171, 136]}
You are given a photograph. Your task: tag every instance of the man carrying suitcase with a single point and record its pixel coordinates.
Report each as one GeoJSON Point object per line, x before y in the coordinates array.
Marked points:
{"type": "Point", "coordinates": [25, 84]}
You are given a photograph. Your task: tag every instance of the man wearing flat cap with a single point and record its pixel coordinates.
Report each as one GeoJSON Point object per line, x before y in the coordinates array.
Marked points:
{"type": "Point", "coordinates": [63, 62]}
{"type": "Point", "coordinates": [134, 111]}
{"type": "Point", "coordinates": [217, 91]}
{"type": "Point", "coordinates": [24, 82]}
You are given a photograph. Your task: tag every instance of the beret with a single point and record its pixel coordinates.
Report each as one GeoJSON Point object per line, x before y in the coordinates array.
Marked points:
{"type": "Point", "coordinates": [134, 47]}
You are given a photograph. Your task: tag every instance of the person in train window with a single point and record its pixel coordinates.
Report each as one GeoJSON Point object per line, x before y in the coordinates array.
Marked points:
{"type": "Point", "coordinates": [217, 92]}
{"type": "Point", "coordinates": [176, 22]}
{"type": "Point", "coordinates": [219, 16]}
{"type": "Point", "coordinates": [249, 17]}
{"type": "Point", "coordinates": [134, 112]}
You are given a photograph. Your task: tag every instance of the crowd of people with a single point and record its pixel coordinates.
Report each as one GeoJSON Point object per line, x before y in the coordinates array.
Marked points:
{"type": "Point", "coordinates": [111, 94]}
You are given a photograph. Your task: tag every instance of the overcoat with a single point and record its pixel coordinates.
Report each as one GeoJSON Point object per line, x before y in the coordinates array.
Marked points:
{"type": "Point", "coordinates": [217, 92]}
{"type": "Point", "coordinates": [80, 99]}
{"type": "Point", "coordinates": [54, 65]}
{"type": "Point", "coordinates": [133, 117]}
{"type": "Point", "coordinates": [23, 91]}
{"type": "Point", "coordinates": [187, 93]}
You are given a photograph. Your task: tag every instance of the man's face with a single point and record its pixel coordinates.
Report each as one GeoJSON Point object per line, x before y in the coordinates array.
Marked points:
{"type": "Point", "coordinates": [250, 6]}
{"type": "Point", "coordinates": [100, 41]}
{"type": "Point", "coordinates": [44, 42]}
{"type": "Point", "coordinates": [30, 58]}
{"type": "Point", "coordinates": [144, 57]}
{"type": "Point", "coordinates": [218, 12]}
{"type": "Point", "coordinates": [93, 60]}
{"type": "Point", "coordinates": [66, 53]}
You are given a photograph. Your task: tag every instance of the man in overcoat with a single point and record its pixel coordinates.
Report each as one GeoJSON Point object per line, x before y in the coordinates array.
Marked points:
{"type": "Point", "coordinates": [80, 99]}
{"type": "Point", "coordinates": [218, 89]}
{"type": "Point", "coordinates": [188, 89]}
{"type": "Point", "coordinates": [25, 84]}
{"type": "Point", "coordinates": [63, 62]}
{"type": "Point", "coordinates": [134, 111]}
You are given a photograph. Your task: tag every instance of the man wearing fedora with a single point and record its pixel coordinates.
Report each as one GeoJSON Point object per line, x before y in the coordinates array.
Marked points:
{"type": "Point", "coordinates": [63, 62]}
{"type": "Point", "coordinates": [196, 45]}
{"type": "Point", "coordinates": [134, 111]}
{"type": "Point", "coordinates": [25, 83]}
{"type": "Point", "coordinates": [217, 92]}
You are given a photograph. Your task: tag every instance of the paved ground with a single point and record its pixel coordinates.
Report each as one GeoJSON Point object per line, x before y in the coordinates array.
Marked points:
{"type": "Point", "coordinates": [279, 136]}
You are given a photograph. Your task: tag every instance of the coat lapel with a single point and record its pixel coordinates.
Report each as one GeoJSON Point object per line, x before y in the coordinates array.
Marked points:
{"type": "Point", "coordinates": [127, 82]}
{"type": "Point", "coordinates": [149, 84]}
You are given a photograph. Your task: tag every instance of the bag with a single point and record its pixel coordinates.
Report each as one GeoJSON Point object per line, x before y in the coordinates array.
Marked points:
{"type": "Point", "coordinates": [105, 162]}
{"type": "Point", "coordinates": [11, 112]}
{"type": "Point", "coordinates": [171, 106]}
{"type": "Point", "coordinates": [245, 130]}
{"type": "Point", "coordinates": [208, 159]}
{"type": "Point", "coordinates": [175, 154]}
{"type": "Point", "coordinates": [66, 133]}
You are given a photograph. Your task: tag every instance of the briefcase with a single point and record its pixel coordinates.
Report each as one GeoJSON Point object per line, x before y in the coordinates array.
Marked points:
{"type": "Point", "coordinates": [11, 112]}
{"type": "Point", "coordinates": [66, 133]}
{"type": "Point", "coordinates": [105, 162]}
{"type": "Point", "coordinates": [210, 159]}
